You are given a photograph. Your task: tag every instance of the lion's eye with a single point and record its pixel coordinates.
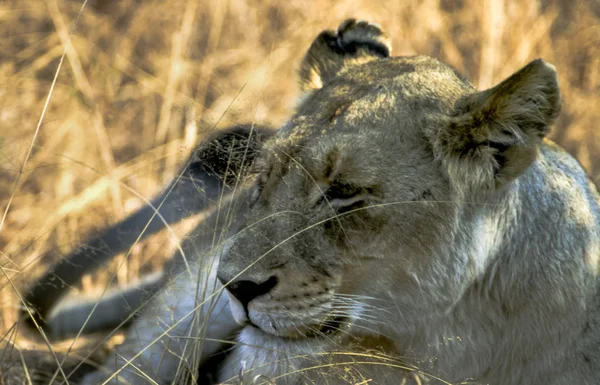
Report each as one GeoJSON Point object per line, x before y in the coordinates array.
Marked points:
{"type": "Point", "coordinates": [344, 197]}
{"type": "Point", "coordinates": [341, 191]}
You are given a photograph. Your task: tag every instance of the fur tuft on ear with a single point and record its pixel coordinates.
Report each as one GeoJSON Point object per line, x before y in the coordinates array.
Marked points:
{"type": "Point", "coordinates": [330, 51]}
{"type": "Point", "coordinates": [493, 136]}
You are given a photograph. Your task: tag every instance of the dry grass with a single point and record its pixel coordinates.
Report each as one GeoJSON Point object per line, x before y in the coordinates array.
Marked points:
{"type": "Point", "coordinates": [144, 80]}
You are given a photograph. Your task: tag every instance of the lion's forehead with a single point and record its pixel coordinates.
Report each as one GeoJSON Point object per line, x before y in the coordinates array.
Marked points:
{"type": "Point", "coordinates": [384, 103]}
{"type": "Point", "coordinates": [402, 74]}
{"type": "Point", "coordinates": [371, 94]}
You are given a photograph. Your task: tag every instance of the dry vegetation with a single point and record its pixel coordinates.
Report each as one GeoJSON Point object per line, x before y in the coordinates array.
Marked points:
{"type": "Point", "coordinates": [145, 80]}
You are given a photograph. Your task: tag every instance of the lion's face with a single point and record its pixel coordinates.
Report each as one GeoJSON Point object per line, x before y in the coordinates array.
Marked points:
{"type": "Point", "coordinates": [363, 206]}
{"type": "Point", "coordinates": [350, 205]}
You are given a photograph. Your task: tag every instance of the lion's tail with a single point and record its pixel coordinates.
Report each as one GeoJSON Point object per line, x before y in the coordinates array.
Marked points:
{"type": "Point", "coordinates": [212, 172]}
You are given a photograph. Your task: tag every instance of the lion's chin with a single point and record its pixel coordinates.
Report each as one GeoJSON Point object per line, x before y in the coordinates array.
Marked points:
{"type": "Point", "coordinates": [329, 327]}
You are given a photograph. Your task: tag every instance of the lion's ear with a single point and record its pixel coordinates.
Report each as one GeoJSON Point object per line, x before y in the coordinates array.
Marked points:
{"type": "Point", "coordinates": [331, 51]}
{"type": "Point", "coordinates": [494, 135]}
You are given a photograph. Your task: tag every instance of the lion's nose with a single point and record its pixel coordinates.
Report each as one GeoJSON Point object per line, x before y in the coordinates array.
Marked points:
{"type": "Point", "coordinates": [245, 291]}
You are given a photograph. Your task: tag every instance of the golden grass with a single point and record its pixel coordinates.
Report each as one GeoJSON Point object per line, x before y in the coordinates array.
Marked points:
{"type": "Point", "coordinates": [143, 81]}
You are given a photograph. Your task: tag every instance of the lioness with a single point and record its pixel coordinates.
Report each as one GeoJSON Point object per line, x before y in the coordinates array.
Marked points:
{"type": "Point", "coordinates": [402, 208]}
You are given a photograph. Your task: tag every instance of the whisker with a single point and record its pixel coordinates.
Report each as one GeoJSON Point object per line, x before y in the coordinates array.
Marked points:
{"type": "Point", "coordinates": [364, 309]}
{"type": "Point", "coordinates": [349, 311]}
{"type": "Point", "coordinates": [352, 296]}
{"type": "Point", "coordinates": [361, 305]}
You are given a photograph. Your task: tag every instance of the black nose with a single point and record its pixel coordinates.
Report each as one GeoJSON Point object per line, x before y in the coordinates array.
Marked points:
{"type": "Point", "coordinates": [246, 291]}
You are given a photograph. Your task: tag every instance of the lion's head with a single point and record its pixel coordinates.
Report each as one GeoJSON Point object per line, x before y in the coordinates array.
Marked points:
{"type": "Point", "coordinates": [377, 194]}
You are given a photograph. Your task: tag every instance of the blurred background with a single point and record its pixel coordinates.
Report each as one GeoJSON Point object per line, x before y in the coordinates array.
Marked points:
{"type": "Point", "coordinates": [143, 81]}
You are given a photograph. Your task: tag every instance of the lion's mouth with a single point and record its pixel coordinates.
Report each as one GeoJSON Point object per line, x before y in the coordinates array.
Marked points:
{"type": "Point", "coordinates": [325, 329]}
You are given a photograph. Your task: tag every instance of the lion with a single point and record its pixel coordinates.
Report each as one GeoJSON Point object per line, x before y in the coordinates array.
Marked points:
{"type": "Point", "coordinates": [399, 208]}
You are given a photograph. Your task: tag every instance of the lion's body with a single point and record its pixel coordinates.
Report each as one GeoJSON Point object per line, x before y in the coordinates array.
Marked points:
{"type": "Point", "coordinates": [400, 207]}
